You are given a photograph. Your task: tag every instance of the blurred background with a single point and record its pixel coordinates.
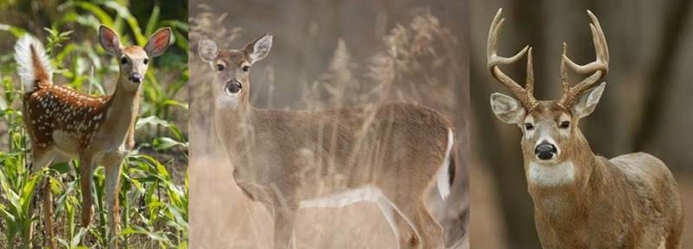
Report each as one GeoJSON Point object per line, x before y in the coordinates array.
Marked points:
{"type": "Point", "coordinates": [325, 54]}
{"type": "Point", "coordinates": [153, 192]}
{"type": "Point", "coordinates": [646, 105]}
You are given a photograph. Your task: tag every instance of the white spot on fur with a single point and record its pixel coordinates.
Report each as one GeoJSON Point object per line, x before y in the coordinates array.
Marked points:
{"type": "Point", "coordinates": [550, 175]}
{"type": "Point", "coordinates": [443, 172]}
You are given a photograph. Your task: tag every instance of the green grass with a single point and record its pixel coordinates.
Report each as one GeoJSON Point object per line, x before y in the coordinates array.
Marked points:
{"type": "Point", "coordinates": [154, 188]}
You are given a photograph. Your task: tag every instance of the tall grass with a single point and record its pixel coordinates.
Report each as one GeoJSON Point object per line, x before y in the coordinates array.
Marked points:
{"type": "Point", "coordinates": [413, 62]}
{"type": "Point", "coordinates": [154, 188]}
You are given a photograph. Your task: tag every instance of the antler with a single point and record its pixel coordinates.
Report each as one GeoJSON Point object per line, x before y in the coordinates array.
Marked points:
{"type": "Point", "coordinates": [599, 67]}
{"type": "Point", "coordinates": [525, 95]}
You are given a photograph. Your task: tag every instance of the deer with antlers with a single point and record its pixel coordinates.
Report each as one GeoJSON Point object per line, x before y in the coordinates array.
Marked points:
{"type": "Point", "coordinates": [64, 124]}
{"type": "Point", "coordinates": [582, 200]}
{"type": "Point", "coordinates": [394, 155]}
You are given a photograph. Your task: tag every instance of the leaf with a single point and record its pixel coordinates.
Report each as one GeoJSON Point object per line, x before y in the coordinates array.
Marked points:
{"type": "Point", "coordinates": [164, 143]}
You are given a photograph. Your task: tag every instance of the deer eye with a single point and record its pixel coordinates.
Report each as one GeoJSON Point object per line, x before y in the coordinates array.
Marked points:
{"type": "Point", "coordinates": [246, 68]}
{"type": "Point", "coordinates": [564, 125]}
{"type": "Point", "coordinates": [146, 61]}
{"type": "Point", "coordinates": [529, 126]}
{"type": "Point", "coordinates": [220, 67]}
{"type": "Point", "coordinates": [123, 60]}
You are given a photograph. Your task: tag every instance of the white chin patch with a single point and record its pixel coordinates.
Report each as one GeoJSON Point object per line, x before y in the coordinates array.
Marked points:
{"type": "Point", "coordinates": [227, 101]}
{"type": "Point", "coordinates": [550, 175]}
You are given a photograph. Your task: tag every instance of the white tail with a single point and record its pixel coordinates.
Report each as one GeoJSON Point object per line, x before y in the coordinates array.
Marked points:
{"type": "Point", "coordinates": [582, 200]}
{"type": "Point", "coordinates": [395, 155]}
{"type": "Point", "coordinates": [64, 124]}
{"type": "Point", "coordinates": [33, 64]}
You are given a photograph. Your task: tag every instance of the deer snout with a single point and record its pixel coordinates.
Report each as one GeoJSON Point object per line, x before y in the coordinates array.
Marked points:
{"type": "Point", "coordinates": [233, 87]}
{"type": "Point", "coordinates": [136, 78]}
{"type": "Point", "coordinates": [545, 151]}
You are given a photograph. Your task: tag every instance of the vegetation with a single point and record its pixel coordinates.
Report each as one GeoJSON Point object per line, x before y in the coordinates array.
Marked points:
{"type": "Point", "coordinates": [154, 189]}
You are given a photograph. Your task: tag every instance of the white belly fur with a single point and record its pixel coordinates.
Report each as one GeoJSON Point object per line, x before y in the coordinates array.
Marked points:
{"type": "Point", "coordinates": [65, 141]}
{"type": "Point", "coordinates": [366, 193]}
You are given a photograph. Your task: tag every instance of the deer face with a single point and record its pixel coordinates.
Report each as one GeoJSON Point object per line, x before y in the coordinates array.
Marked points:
{"type": "Point", "coordinates": [550, 133]}
{"type": "Point", "coordinates": [134, 60]}
{"type": "Point", "coordinates": [232, 69]}
{"type": "Point", "coordinates": [549, 130]}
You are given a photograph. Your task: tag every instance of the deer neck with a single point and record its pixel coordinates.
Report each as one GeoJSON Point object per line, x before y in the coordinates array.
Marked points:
{"type": "Point", "coordinates": [578, 177]}
{"type": "Point", "coordinates": [122, 107]}
{"type": "Point", "coordinates": [235, 122]}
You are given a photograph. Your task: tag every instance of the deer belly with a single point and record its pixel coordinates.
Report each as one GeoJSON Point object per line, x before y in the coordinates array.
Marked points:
{"type": "Point", "coordinates": [65, 141]}
{"type": "Point", "coordinates": [364, 194]}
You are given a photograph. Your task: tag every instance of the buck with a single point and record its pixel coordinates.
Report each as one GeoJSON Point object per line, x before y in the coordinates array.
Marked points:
{"type": "Point", "coordinates": [582, 200]}
{"type": "Point", "coordinates": [395, 155]}
{"type": "Point", "coordinates": [64, 124]}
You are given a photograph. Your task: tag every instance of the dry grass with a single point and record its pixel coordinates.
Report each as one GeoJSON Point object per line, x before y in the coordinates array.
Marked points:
{"type": "Point", "coordinates": [410, 58]}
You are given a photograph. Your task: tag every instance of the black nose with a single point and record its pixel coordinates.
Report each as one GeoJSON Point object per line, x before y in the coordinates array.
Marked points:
{"type": "Point", "coordinates": [545, 151]}
{"type": "Point", "coordinates": [233, 86]}
{"type": "Point", "coordinates": [136, 78]}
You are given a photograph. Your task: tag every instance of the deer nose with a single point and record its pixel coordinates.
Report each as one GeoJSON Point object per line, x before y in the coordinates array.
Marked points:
{"type": "Point", "coordinates": [545, 151]}
{"type": "Point", "coordinates": [233, 87]}
{"type": "Point", "coordinates": [136, 78]}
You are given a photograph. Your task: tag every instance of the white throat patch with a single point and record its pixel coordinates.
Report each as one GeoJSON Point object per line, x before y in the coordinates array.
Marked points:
{"type": "Point", "coordinates": [551, 175]}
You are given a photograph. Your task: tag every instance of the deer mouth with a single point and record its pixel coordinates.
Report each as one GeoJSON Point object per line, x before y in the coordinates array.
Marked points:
{"type": "Point", "coordinates": [233, 88]}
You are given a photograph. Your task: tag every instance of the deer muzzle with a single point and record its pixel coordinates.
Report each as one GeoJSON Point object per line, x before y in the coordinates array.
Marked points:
{"type": "Point", "coordinates": [545, 151]}
{"type": "Point", "coordinates": [233, 87]}
{"type": "Point", "coordinates": [136, 78]}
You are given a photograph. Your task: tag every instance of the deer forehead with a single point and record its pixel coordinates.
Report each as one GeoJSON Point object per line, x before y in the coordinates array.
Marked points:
{"type": "Point", "coordinates": [232, 58]}
{"type": "Point", "coordinates": [134, 52]}
{"type": "Point", "coordinates": [547, 111]}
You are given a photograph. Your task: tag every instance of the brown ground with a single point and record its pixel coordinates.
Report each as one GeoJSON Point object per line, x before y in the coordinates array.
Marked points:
{"type": "Point", "coordinates": [230, 218]}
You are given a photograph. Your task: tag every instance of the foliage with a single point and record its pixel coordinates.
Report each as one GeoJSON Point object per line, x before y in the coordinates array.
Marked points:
{"type": "Point", "coordinates": [154, 192]}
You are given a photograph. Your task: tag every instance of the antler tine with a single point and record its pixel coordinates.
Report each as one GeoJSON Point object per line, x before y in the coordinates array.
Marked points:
{"type": "Point", "coordinates": [599, 67]}
{"type": "Point", "coordinates": [525, 96]}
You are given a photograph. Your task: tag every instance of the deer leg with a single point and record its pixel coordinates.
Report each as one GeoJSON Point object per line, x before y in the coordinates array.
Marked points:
{"type": "Point", "coordinates": [41, 159]}
{"type": "Point", "coordinates": [284, 218]}
{"type": "Point", "coordinates": [113, 163]}
{"type": "Point", "coordinates": [86, 172]}
{"type": "Point", "coordinates": [424, 230]}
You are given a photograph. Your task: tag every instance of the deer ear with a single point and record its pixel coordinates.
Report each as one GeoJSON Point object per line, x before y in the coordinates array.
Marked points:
{"type": "Point", "coordinates": [109, 40]}
{"type": "Point", "coordinates": [159, 42]}
{"type": "Point", "coordinates": [507, 109]}
{"type": "Point", "coordinates": [588, 102]}
{"type": "Point", "coordinates": [259, 49]}
{"type": "Point", "coordinates": [208, 50]}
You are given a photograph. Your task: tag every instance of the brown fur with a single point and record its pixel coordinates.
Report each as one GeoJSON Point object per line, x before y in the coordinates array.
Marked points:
{"type": "Point", "coordinates": [64, 124]}
{"type": "Point", "coordinates": [284, 157]}
{"type": "Point", "coordinates": [630, 201]}
{"type": "Point", "coordinates": [582, 200]}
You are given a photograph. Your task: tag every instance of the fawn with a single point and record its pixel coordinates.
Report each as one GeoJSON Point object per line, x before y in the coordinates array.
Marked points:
{"type": "Point", "coordinates": [64, 124]}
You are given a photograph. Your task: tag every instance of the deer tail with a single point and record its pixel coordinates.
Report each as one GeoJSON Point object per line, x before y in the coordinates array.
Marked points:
{"type": "Point", "coordinates": [446, 173]}
{"type": "Point", "coordinates": [33, 65]}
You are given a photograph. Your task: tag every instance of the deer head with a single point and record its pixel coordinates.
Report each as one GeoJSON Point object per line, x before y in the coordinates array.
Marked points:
{"type": "Point", "coordinates": [550, 128]}
{"type": "Point", "coordinates": [231, 82]}
{"type": "Point", "coordinates": [134, 60]}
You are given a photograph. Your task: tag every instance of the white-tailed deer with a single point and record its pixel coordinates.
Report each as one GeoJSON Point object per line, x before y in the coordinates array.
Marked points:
{"type": "Point", "coordinates": [582, 200]}
{"type": "Point", "coordinates": [394, 154]}
{"type": "Point", "coordinates": [64, 124]}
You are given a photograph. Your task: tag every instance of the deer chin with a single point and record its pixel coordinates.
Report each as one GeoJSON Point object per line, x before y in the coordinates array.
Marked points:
{"type": "Point", "coordinates": [551, 174]}
{"type": "Point", "coordinates": [226, 101]}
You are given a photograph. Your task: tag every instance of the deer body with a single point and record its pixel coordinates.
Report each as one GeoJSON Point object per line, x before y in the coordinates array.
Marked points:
{"type": "Point", "coordinates": [393, 155]}
{"type": "Point", "coordinates": [582, 200]}
{"type": "Point", "coordinates": [64, 124]}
